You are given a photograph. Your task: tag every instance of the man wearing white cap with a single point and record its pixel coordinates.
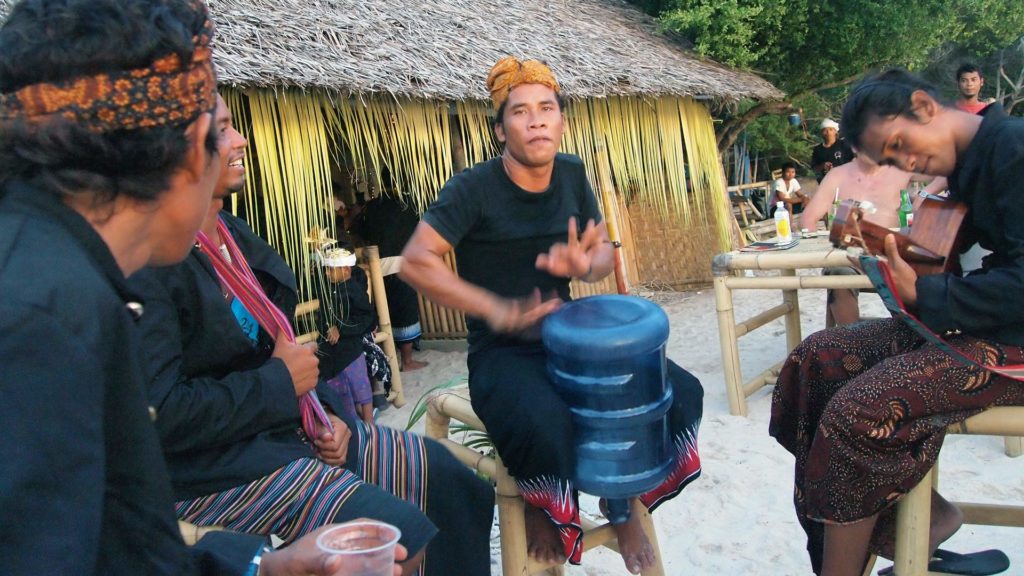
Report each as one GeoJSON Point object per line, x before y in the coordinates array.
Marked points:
{"type": "Point", "coordinates": [831, 152]}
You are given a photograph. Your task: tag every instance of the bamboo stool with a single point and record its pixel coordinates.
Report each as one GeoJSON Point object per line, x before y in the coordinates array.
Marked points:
{"type": "Point", "coordinates": [454, 403]}
{"type": "Point", "coordinates": [369, 260]}
{"type": "Point", "coordinates": [913, 512]}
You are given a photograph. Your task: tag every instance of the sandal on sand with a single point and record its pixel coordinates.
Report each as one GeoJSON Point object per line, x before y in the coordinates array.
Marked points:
{"type": "Point", "coordinates": [974, 564]}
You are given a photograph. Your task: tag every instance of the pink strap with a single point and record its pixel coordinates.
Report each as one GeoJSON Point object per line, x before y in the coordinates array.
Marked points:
{"type": "Point", "coordinates": [239, 280]}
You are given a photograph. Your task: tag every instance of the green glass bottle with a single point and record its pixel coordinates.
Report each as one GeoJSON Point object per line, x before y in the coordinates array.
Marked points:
{"type": "Point", "coordinates": [906, 210]}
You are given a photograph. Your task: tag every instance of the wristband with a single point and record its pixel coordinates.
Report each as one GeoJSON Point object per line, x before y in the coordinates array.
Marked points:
{"type": "Point", "coordinates": [254, 564]}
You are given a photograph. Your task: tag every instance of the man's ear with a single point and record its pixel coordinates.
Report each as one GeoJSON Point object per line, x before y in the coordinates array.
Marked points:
{"type": "Point", "coordinates": [197, 157]}
{"type": "Point", "coordinates": [923, 106]}
{"type": "Point", "coordinates": [499, 132]}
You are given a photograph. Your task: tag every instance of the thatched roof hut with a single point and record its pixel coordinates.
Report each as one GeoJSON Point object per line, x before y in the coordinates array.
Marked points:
{"type": "Point", "coordinates": [438, 49]}
{"type": "Point", "coordinates": [368, 84]}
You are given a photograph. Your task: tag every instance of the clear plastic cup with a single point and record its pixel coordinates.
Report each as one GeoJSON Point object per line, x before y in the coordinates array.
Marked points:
{"type": "Point", "coordinates": [367, 548]}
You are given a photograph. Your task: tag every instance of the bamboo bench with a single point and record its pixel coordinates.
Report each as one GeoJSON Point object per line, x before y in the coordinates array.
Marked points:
{"type": "Point", "coordinates": [442, 407]}
{"type": "Point", "coordinates": [913, 511]}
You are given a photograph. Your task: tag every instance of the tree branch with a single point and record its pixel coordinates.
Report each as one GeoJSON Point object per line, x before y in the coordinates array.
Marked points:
{"type": "Point", "coordinates": [732, 128]}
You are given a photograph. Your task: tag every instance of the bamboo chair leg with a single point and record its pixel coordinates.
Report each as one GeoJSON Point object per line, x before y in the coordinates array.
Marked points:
{"type": "Point", "coordinates": [913, 519]}
{"type": "Point", "coordinates": [647, 522]}
{"type": "Point", "coordinates": [1013, 446]}
{"type": "Point", "coordinates": [511, 523]}
{"type": "Point", "coordinates": [870, 566]}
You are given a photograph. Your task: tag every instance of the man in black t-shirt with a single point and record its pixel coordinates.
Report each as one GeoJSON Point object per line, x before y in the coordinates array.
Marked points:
{"type": "Point", "coordinates": [831, 152]}
{"type": "Point", "coordinates": [512, 222]}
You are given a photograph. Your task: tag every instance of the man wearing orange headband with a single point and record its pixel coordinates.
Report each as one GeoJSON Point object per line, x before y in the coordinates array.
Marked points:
{"type": "Point", "coordinates": [513, 222]}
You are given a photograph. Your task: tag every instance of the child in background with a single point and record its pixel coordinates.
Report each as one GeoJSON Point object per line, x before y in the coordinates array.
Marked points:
{"type": "Point", "coordinates": [345, 314]}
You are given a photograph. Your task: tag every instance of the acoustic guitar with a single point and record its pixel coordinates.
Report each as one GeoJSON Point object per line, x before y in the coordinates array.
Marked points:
{"type": "Point", "coordinates": [931, 247]}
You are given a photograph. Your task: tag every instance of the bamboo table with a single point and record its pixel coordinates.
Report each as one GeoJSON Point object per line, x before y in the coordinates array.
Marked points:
{"type": "Point", "coordinates": [810, 253]}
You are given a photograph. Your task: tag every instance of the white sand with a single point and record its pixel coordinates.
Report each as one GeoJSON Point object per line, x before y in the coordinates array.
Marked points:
{"type": "Point", "coordinates": [737, 518]}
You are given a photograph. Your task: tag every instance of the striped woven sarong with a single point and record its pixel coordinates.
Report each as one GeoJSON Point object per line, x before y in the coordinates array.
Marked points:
{"type": "Point", "coordinates": [289, 502]}
{"type": "Point", "coordinates": [394, 461]}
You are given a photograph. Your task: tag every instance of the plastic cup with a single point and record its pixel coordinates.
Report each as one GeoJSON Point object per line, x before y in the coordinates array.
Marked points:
{"type": "Point", "coordinates": [367, 548]}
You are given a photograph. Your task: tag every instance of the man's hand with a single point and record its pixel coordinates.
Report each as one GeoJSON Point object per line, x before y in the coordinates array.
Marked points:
{"type": "Point", "coordinates": [826, 167]}
{"type": "Point", "coordinates": [303, 557]}
{"type": "Point", "coordinates": [301, 362]}
{"type": "Point", "coordinates": [333, 448]}
{"type": "Point", "coordinates": [903, 275]}
{"type": "Point", "coordinates": [519, 316]}
{"type": "Point", "coordinates": [333, 335]}
{"type": "Point", "coordinates": [572, 259]}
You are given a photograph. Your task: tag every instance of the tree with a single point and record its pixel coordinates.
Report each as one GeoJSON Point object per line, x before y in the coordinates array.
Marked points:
{"type": "Point", "coordinates": [807, 46]}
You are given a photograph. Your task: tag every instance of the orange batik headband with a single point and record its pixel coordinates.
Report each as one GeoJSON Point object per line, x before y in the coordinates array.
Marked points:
{"type": "Point", "coordinates": [167, 92]}
{"type": "Point", "coordinates": [510, 72]}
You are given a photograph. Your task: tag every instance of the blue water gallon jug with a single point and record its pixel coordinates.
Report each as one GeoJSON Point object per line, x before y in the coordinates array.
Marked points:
{"type": "Point", "coordinates": [606, 357]}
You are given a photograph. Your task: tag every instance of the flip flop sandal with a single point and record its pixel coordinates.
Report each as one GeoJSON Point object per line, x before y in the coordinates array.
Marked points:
{"type": "Point", "coordinates": [974, 564]}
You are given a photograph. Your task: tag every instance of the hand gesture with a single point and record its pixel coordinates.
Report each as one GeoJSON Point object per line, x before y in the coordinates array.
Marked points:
{"type": "Point", "coordinates": [303, 557]}
{"type": "Point", "coordinates": [301, 362]}
{"type": "Point", "coordinates": [572, 259]}
{"type": "Point", "coordinates": [903, 275]}
{"type": "Point", "coordinates": [333, 448]}
{"type": "Point", "coordinates": [520, 316]}
{"type": "Point", "coordinates": [333, 335]}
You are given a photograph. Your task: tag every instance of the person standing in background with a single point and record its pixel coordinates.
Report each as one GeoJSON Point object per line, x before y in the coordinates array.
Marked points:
{"type": "Point", "coordinates": [969, 83]}
{"type": "Point", "coordinates": [388, 223]}
{"type": "Point", "coordinates": [831, 152]}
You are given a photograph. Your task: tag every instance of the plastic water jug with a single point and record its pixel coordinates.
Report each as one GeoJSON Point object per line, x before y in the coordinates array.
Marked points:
{"type": "Point", "coordinates": [606, 357]}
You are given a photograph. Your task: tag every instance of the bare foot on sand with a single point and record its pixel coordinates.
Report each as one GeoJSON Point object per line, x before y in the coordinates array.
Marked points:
{"type": "Point", "coordinates": [542, 540]}
{"type": "Point", "coordinates": [636, 549]}
{"type": "Point", "coordinates": [410, 365]}
{"type": "Point", "coordinates": [946, 519]}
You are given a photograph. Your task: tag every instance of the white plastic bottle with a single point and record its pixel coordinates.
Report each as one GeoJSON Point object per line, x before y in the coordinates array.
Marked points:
{"type": "Point", "coordinates": [782, 229]}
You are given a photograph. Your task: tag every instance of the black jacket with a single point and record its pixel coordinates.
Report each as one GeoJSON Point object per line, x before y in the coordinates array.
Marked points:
{"type": "Point", "coordinates": [83, 487]}
{"type": "Point", "coordinates": [227, 411]}
{"type": "Point", "coordinates": [353, 315]}
{"type": "Point", "coordinates": [989, 178]}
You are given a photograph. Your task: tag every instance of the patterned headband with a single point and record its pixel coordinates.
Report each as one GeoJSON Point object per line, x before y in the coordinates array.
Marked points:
{"type": "Point", "coordinates": [167, 92]}
{"type": "Point", "coordinates": [510, 72]}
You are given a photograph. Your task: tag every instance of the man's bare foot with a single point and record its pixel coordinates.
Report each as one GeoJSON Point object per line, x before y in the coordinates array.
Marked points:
{"type": "Point", "coordinates": [636, 549]}
{"type": "Point", "coordinates": [946, 519]}
{"type": "Point", "coordinates": [410, 365]}
{"type": "Point", "coordinates": [543, 542]}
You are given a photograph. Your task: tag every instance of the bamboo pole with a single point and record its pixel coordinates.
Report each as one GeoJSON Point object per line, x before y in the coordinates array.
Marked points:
{"type": "Point", "coordinates": [372, 256]}
{"type": "Point", "coordinates": [608, 199]}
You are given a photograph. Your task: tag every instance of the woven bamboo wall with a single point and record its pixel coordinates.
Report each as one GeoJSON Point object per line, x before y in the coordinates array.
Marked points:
{"type": "Point", "coordinates": [439, 322]}
{"type": "Point", "coordinates": [668, 253]}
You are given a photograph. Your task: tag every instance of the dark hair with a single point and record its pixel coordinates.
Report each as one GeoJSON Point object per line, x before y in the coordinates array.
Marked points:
{"type": "Point", "coordinates": [56, 40]}
{"type": "Point", "coordinates": [499, 116]}
{"type": "Point", "coordinates": [787, 166]}
{"type": "Point", "coordinates": [966, 68]}
{"type": "Point", "coordinates": [884, 95]}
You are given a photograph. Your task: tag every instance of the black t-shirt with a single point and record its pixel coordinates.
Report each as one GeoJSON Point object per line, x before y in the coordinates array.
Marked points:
{"type": "Point", "coordinates": [498, 229]}
{"type": "Point", "coordinates": [838, 154]}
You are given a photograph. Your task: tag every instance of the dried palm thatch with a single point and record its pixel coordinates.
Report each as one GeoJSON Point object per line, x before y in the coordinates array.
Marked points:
{"type": "Point", "coordinates": [437, 49]}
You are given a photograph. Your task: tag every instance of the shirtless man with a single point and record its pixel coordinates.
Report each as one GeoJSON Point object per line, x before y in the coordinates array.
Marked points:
{"type": "Point", "coordinates": [860, 179]}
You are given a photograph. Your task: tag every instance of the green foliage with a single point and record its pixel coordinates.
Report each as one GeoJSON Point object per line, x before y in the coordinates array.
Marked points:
{"type": "Point", "coordinates": [801, 45]}
{"type": "Point", "coordinates": [777, 142]}
{"type": "Point", "coordinates": [725, 30]}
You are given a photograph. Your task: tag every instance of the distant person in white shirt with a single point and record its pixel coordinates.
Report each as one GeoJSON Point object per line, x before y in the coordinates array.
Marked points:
{"type": "Point", "coordinates": [787, 190]}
